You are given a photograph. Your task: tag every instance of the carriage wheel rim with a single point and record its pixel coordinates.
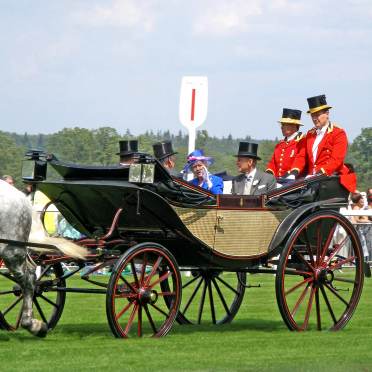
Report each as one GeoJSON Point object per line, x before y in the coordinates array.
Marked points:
{"type": "Point", "coordinates": [319, 278]}
{"type": "Point", "coordinates": [142, 296]}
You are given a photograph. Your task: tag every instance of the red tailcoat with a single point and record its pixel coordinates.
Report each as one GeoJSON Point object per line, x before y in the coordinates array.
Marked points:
{"type": "Point", "coordinates": [284, 155]}
{"type": "Point", "coordinates": [329, 158]}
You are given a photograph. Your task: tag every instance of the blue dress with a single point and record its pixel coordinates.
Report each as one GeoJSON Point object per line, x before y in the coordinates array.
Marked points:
{"type": "Point", "coordinates": [217, 184]}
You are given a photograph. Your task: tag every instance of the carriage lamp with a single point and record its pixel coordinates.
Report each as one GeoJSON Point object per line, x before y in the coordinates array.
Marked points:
{"type": "Point", "coordinates": [142, 173]}
{"type": "Point", "coordinates": [34, 165]}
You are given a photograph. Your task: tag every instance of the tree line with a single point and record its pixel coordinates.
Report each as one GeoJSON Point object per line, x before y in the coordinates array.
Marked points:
{"type": "Point", "coordinates": [100, 146]}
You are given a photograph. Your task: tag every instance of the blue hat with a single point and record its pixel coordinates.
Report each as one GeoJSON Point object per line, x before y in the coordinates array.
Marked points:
{"type": "Point", "coordinates": [197, 155]}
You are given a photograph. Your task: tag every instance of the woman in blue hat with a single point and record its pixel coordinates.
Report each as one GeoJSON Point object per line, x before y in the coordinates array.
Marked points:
{"type": "Point", "coordinates": [198, 164]}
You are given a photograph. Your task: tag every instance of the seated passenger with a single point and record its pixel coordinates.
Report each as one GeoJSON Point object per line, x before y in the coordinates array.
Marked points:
{"type": "Point", "coordinates": [252, 181]}
{"type": "Point", "coordinates": [198, 164]}
{"type": "Point", "coordinates": [163, 151]}
{"type": "Point", "coordinates": [128, 152]}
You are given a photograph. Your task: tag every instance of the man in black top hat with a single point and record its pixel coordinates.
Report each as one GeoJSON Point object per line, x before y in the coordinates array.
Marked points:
{"type": "Point", "coordinates": [251, 181]}
{"type": "Point", "coordinates": [128, 152]}
{"type": "Point", "coordinates": [163, 151]}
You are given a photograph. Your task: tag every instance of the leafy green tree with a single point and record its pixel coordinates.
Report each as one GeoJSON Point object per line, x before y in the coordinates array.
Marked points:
{"type": "Point", "coordinates": [360, 155]}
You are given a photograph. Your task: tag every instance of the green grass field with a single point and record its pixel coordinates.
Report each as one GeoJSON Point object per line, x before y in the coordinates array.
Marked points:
{"type": "Point", "coordinates": [257, 339]}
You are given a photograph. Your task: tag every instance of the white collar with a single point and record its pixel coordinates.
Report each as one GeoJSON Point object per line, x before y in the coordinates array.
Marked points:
{"type": "Point", "coordinates": [252, 173]}
{"type": "Point", "coordinates": [291, 137]}
{"type": "Point", "coordinates": [322, 130]}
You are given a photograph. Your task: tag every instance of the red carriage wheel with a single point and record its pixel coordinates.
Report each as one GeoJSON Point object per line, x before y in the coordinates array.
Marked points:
{"type": "Point", "coordinates": [320, 273]}
{"type": "Point", "coordinates": [135, 302]}
{"type": "Point", "coordinates": [48, 302]}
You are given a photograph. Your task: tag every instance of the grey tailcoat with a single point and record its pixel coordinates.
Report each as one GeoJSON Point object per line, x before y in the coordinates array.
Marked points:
{"type": "Point", "coordinates": [262, 184]}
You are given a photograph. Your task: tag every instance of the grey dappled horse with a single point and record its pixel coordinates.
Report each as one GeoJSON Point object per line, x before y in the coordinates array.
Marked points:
{"type": "Point", "coordinates": [15, 224]}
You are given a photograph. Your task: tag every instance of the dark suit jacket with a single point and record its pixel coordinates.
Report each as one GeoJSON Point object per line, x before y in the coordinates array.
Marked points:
{"type": "Point", "coordinates": [262, 183]}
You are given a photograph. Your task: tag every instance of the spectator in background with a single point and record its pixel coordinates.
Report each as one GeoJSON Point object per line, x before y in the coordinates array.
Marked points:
{"type": "Point", "coordinates": [8, 179]}
{"type": "Point", "coordinates": [362, 223]}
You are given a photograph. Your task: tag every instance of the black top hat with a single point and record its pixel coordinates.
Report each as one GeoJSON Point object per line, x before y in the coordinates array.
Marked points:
{"type": "Point", "coordinates": [248, 149]}
{"type": "Point", "coordinates": [128, 147]}
{"type": "Point", "coordinates": [163, 149]}
{"type": "Point", "coordinates": [317, 103]}
{"type": "Point", "coordinates": [290, 116]}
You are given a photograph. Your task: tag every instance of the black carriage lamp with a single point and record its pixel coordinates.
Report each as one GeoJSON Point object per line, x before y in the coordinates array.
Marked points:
{"type": "Point", "coordinates": [34, 166]}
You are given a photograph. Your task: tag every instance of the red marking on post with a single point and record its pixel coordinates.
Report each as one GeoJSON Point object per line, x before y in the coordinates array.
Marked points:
{"type": "Point", "coordinates": [193, 105]}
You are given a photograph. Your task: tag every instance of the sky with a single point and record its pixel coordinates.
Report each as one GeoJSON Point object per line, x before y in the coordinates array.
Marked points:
{"type": "Point", "coordinates": [119, 63]}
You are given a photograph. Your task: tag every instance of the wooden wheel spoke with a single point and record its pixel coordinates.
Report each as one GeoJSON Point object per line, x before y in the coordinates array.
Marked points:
{"type": "Point", "coordinates": [166, 294]}
{"type": "Point", "coordinates": [201, 304]}
{"type": "Point", "coordinates": [308, 309]}
{"type": "Point", "coordinates": [337, 248]}
{"type": "Point", "coordinates": [9, 308]}
{"type": "Point", "coordinates": [133, 268]}
{"type": "Point", "coordinates": [222, 298]}
{"type": "Point", "coordinates": [160, 279]}
{"type": "Point", "coordinates": [143, 269]}
{"type": "Point", "coordinates": [227, 285]}
{"type": "Point", "coordinates": [318, 242]}
{"type": "Point", "coordinates": [297, 272]}
{"type": "Point", "coordinates": [131, 319]}
{"type": "Point", "coordinates": [332, 290]}
{"type": "Point", "coordinates": [317, 306]}
{"type": "Point", "coordinates": [6, 292]}
{"type": "Point", "coordinates": [151, 321]}
{"type": "Point", "coordinates": [128, 284]}
{"type": "Point", "coordinates": [191, 281]}
{"type": "Point", "coordinates": [300, 300]}
{"type": "Point", "coordinates": [211, 302]}
{"type": "Point", "coordinates": [345, 280]}
{"type": "Point", "coordinates": [125, 295]}
{"type": "Point", "coordinates": [46, 299]}
{"type": "Point", "coordinates": [328, 241]}
{"type": "Point", "coordinates": [45, 270]}
{"type": "Point", "coordinates": [308, 247]}
{"type": "Point", "coordinates": [306, 262]}
{"type": "Point", "coordinates": [329, 307]}
{"type": "Point", "coordinates": [8, 276]}
{"type": "Point", "coordinates": [153, 270]}
{"type": "Point", "coordinates": [341, 263]}
{"type": "Point", "coordinates": [139, 324]}
{"type": "Point", "coordinates": [119, 315]}
{"type": "Point", "coordinates": [40, 310]}
{"type": "Point", "coordinates": [298, 285]}
{"type": "Point", "coordinates": [160, 310]}
{"type": "Point", "coordinates": [192, 295]}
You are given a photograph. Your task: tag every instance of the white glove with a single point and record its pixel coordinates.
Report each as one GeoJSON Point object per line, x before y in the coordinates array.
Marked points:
{"type": "Point", "coordinates": [206, 178]}
{"type": "Point", "coordinates": [309, 176]}
{"type": "Point", "coordinates": [290, 177]}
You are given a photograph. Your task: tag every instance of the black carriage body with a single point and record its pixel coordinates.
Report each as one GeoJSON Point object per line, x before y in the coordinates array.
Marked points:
{"type": "Point", "coordinates": [200, 229]}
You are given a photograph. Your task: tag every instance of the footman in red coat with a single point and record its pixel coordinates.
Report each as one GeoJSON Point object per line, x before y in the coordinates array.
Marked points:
{"type": "Point", "coordinates": [290, 146]}
{"type": "Point", "coordinates": [326, 146]}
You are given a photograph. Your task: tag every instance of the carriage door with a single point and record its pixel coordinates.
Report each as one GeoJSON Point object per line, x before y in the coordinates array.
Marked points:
{"type": "Point", "coordinates": [245, 232]}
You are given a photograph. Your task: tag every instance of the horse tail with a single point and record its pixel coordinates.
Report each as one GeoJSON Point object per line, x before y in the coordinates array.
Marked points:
{"type": "Point", "coordinates": [65, 246]}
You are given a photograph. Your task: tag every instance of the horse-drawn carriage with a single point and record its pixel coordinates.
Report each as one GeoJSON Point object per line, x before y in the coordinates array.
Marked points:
{"type": "Point", "coordinates": [176, 252]}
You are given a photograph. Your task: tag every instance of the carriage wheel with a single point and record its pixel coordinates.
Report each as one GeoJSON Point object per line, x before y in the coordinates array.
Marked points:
{"type": "Point", "coordinates": [135, 302]}
{"type": "Point", "coordinates": [211, 296]}
{"type": "Point", "coordinates": [47, 304]}
{"type": "Point", "coordinates": [320, 273]}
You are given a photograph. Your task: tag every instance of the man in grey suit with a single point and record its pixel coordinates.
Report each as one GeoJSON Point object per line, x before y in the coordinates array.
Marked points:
{"type": "Point", "coordinates": [251, 181]}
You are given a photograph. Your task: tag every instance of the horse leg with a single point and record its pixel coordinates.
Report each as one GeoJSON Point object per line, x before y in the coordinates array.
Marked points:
{"type": "Point", "coordinates": [16, 260]}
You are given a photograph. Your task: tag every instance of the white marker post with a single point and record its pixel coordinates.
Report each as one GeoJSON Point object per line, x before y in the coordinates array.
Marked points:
{"type": "Point", "coordinates": [193, 105]}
